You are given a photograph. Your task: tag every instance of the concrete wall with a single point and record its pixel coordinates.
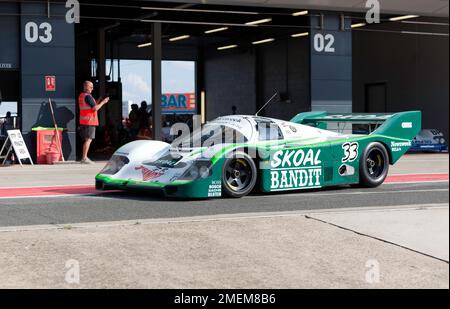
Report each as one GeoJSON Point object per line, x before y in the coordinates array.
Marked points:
{"type": "Point", "coordinates": [331, 65]}
{"type": "Point", "coordinates": [230, 81]}
{"type": "Point", "coordinates": [9, 36]}
{"type": "Point", "coordinates": [248, 79]}
{"type": "Point", "coordinates": [285, 67]}
{"type": "Point", "coordinates": [40, 59]}
{"type": "Point", "coordinates": [414, 67]}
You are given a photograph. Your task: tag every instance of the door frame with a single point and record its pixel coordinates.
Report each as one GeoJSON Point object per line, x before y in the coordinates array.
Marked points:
{"type": "Point", "coordinates": [366, 94]}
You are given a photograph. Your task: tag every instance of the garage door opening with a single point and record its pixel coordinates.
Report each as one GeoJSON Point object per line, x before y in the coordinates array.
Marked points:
{"type": "Point", "coordinates": [9, 103]}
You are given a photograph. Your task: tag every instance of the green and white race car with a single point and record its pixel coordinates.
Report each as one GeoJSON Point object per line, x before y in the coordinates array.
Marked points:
{"type": "Point", "coordinates": [235, 155]}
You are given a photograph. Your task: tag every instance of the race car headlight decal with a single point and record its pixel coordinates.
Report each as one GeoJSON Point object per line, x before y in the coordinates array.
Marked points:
{"type": "Point", "coordinates": [200, 169]}
{"type": "Point", "coordinates": [115, 164]}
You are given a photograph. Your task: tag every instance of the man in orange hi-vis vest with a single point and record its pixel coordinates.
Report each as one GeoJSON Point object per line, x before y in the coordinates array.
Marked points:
{"type": "Point", "coordinates": [88, 118]}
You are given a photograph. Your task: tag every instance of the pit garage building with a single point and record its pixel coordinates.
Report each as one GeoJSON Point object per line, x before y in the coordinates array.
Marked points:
{"type": "Point", "coordinates": [318, 56]}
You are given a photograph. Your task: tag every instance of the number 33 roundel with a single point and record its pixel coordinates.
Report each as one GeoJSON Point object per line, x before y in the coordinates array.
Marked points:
{"type": "Point", "coordinates": [350, 152]}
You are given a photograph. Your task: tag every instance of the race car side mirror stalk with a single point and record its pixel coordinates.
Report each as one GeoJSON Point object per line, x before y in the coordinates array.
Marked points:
{"type": "Point", "coordinates": [276, 95]}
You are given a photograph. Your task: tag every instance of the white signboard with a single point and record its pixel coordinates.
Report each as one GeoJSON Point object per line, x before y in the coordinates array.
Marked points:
{"type": "Point", "coordinates": [18, 144]}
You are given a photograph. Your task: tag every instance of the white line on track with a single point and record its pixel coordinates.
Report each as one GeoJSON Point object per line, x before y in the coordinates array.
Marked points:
{"type": "Point", "coordinates": [247, 197]}
{"type": "Point", "coordinates": [352, 193]}
{"type": "Point", "coordinates": [91, 185]}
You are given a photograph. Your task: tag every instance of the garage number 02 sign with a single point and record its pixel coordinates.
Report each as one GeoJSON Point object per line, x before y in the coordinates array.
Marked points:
{"type": "Point", "coordinates": [41, 32]}
{"type": "Point", "coordinates": [324, 43]}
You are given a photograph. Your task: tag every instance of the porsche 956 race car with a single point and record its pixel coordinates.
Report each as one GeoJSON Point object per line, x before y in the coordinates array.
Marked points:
{"type": "Point", "coordinates": [235, 155]}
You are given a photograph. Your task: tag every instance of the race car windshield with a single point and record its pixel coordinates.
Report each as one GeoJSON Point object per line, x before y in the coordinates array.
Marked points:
{"type": "Point", "coordinates": [209, 135]}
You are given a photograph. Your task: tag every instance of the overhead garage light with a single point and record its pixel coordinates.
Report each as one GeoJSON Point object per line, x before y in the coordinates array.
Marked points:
{"type": "Point", "coordinates": [300, 13]}
{"type": "Point", "coordinates": [181, 9]}
{"type": "Point", "coordinates": [216, 30]}
{"type": "Point", "coordinates": [227, 47]}
{"type": "Point", "coordinates": [425, 33]}
{"type": "Point", "coordinates": [260, 21]}
{"type": "Point", "coordinates": [263, 41]}
{"type": "Point", "coordinates": [403, 17]}
{"type": "Point", "coordinates": [144, 45]}
{"type": "Point", "coordinates": [297, 35]}
{"type": "Point", "coordinates": [178, 38]}
{"type": "Point", "coordinates": [358, 25]}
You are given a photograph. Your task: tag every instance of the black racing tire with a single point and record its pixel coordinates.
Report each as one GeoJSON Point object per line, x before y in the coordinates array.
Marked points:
{"type": "Point", "coordinates": [373, 165]}
{"type": "Point", "coordinates": [239, 175]}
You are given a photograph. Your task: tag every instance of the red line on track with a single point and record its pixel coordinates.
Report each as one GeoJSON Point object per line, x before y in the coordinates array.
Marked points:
{"type": "Point", "coordinates": [416, 178]}
{"type": "Point", "coordinates": [47, 191]}
{"type": "Point", "coordinates": [89, 189]}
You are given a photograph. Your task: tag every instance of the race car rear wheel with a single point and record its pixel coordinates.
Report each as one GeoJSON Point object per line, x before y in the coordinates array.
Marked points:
{"type": "Point", "coordinates": [239, 175]}
{"type": "Point", "coordinates": [373, 165]}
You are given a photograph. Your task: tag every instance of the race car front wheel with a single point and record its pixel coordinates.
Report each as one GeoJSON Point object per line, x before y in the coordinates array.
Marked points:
{"type": "Point", "coordinates": [239, 175]}
{"type": "Point", "coordinates": [373, 165]}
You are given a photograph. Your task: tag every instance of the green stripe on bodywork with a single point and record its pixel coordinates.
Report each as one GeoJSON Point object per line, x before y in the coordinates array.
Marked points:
{"type": "Point", "coordinates": [121, 182]}
{"type": "Point", "coordinates": [258, 146]}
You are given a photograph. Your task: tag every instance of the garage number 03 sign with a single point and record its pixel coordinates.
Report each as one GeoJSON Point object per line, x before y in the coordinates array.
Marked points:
{"type": "Point", "coordinates": [41, 32]}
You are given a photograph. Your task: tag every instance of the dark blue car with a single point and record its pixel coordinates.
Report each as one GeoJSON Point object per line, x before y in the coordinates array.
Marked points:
{"type": "Point", "coordinates": [429, 140]}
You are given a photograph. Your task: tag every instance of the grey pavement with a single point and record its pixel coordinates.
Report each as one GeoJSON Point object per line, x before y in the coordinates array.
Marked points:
{"type": "Point", "coordinates": [394, 236]}
{"type": "Point", "coordinates": [421, 163]}
{"type": "Point", "coordinates": [262, 252]}
{"type": "Point", "coordinates": [424, 230]}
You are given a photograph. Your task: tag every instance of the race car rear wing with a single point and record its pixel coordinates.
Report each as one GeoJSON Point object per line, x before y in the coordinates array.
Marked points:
{"type": "Point", "coordinates": [405, 125]}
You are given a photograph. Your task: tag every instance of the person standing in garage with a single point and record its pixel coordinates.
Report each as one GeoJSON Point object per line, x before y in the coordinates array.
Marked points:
{"type": "Point", "coordinates": [88, 118]}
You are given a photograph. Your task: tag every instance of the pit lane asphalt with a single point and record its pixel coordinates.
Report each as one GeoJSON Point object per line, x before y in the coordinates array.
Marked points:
{"type": "Point", "coordinates": [118, 206]}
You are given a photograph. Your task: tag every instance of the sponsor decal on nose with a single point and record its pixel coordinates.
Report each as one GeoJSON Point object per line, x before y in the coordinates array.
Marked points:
{"type": "Point", "coordinates": [148, 174]}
